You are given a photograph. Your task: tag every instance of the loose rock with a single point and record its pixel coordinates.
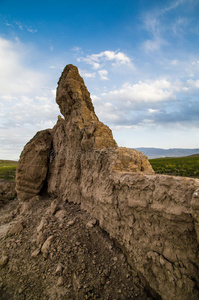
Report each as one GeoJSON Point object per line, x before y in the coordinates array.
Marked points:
{"type": "Point", "coordinates": [3, 261]}
{"type": "Point", "coordinates": [60, 281]}
{"type": "Point", "coordinates": [35, 253]}
{"type": "Point", "coordinates": [46, 246]}
{"type": "Point", "coordinates": [17, 228]}
{"type": "Point", "coordinates": [91, 223]}
{"type": "Point", "coordinates": [54, 206]}
{"type": "Point", "coordinates": [59, 269]}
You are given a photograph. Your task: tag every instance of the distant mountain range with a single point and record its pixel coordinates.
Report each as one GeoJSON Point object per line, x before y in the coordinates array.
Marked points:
{"type": "Point", "coordinates": [174, 152]}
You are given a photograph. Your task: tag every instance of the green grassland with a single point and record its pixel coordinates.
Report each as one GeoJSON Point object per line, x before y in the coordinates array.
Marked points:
{"type": "Point", "coordinates": [177, 166]}
{"type": "Point", "coordinates": [8, 169]}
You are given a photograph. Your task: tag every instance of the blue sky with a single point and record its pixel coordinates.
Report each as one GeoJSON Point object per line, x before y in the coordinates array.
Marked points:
{"type": "Point", "coordinates": [139, 60]}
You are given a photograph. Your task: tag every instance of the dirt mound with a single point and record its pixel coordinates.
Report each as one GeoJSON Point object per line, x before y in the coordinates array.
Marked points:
{"type": "Point", "coordinates": [57, 251]}
{"type": "Point", "coordinates": [7, 191]}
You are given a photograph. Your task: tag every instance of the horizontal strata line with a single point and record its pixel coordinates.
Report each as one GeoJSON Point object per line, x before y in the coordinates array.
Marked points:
{"type": "Point", "coordinates": [32, 191]}
{"type": "Point", "coordinates": [25, 188]}
{"type": "Point", "coordinates": [22, 170]}
{"type": "Point", "coordinates": [22, 173]}
{"type": "Point", "coordinates": [28, 183]}
{"type": "Point", "coordinates": [35, 188]}
{"type": "Point", "coordinates": [28, 191]}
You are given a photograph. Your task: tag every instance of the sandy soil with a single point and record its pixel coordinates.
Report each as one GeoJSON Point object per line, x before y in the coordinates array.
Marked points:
{"type": "Point", "coordinates": [56, 251]}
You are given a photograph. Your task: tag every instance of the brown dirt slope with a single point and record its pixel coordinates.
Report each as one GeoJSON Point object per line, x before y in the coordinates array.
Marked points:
{"type": "Point", "coordinates": [56, 251]}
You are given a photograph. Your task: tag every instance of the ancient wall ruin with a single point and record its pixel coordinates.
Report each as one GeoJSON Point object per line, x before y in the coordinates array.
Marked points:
{"type": "Point", "coordinates": [154, 218]}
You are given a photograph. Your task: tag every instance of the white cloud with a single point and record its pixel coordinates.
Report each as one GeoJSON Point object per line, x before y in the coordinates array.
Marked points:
{"type": "Point", "coordinates": [23, 27]}
{"type": "Point", "coordinates": [148, 91]}
{"type": "Point", "coordinates": [153, 45]}
{"type": "Point", "coordinates": [150, 103]}
{"type": "Point", "coordinates": [96, 65]}
{"type": "Point", "coordinates": [177, 3]}
{"type": "Point", "coordinates": [86, 74]}
{"type": "Point", "coordinates": [178, 25]}
{"type": "Point", "coordinates": [193, 83]}
{"type": "Point", "coordinates": [106, 111]}
{"type": "Point", "coordinates": [155, 22]}
{"type": "Point", "coordinates": [76, 49]}
{"type": "Point", "coordinates": [151, 110]}
{"type": "Point", "coordinates": [195, 62]}
{"type": "Point", "coordinates": [103, 74]}
{"type": "Point", "coordinates": [19, 25]}
{"type": "Point", "coordinates": [134, 104]}
{"type": "Point", "coordinates": [29, 29]}
{"type": "Point", "coordinates": [8, 24]}
{"type": "Point", "coordinates": [172, 6]}
{"type": "Point", "coordinates": [174, 62]}
{"type": "Point", "coordinates": [15, 78]}
{"type": "Point", "coordinates": [26, 98]}
{"type": "Point", "coordinates": [95, 99]}
{"type": "Point", "coordinates": [53, 92]}
{"type": "Point", "coordinates": [97, 60]}
{"type": "Point", "coordinates": [152, 24]}
{"type": "Point", "coordinates": [154, 27]}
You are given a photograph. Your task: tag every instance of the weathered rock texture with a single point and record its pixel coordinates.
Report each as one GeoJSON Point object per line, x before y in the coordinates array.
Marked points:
{"type": "Point", "coordinates": [7, 191]}
{"type": "Point", "coordinates": [81, 136]}
{"type": "Point", "coordinates": [33, 166]}
{"type": "Point", "coordinates": [154, 218]}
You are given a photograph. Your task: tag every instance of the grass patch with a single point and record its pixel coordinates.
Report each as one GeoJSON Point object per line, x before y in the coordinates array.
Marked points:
{"type": "Point", "coordinates": [8, 169]}
{"type": "Point", "coordinates": [177, 166]}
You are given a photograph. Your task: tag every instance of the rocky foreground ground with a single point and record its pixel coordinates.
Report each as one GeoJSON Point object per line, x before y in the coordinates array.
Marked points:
{"type": "Point", "coordinates": [56, 251]}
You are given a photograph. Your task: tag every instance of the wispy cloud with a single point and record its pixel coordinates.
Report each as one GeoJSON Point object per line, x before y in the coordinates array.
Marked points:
{"type": "Point", "coordinates": [97, 60]}
{"type": "Point", "coordinates": [21, 26]}
{"type": "Point", "coordinates": [189, 4]}
{"type": "Point", "coordinates": [154, 44]}
{"type": "Point", "coordinates": [163, 24]}
{"type": "Point", "coordinates": [77, 49]}
{"type": "Point", "coordinates": [174, 62]}
{"type": "Point", "coordinates": [153, 26]}
{"type": "Point", "coordinates": [29, 29]}
{"type": "Point", "coordinates": [152, 23]}
{"type": "Point", "coordinates": [8, 24]}
{"type": "Point", "coordinates": [103, 74]}
{"type": "Point", "coordinates": [86, 74]}
{"type": "Point", "coordinates": [179, 24]}
{"type": "Point", "coordinates": [172, 6]}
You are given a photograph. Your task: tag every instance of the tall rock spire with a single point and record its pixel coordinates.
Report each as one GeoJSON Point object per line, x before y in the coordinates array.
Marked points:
{"type": "Point", "coordinates": [73, 97]}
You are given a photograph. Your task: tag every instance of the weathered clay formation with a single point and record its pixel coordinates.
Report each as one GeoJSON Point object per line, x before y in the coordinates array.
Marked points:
{"type": "Point", "coordinates": [33, 166]}
{"type": "Point", "coordinates": [154, 218]}
{"type": "Point", "coordinates": [7, 191]}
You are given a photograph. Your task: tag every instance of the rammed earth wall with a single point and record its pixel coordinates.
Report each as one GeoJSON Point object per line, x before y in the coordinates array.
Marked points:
{"type": "Point", "coordinates": [154, 218]}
